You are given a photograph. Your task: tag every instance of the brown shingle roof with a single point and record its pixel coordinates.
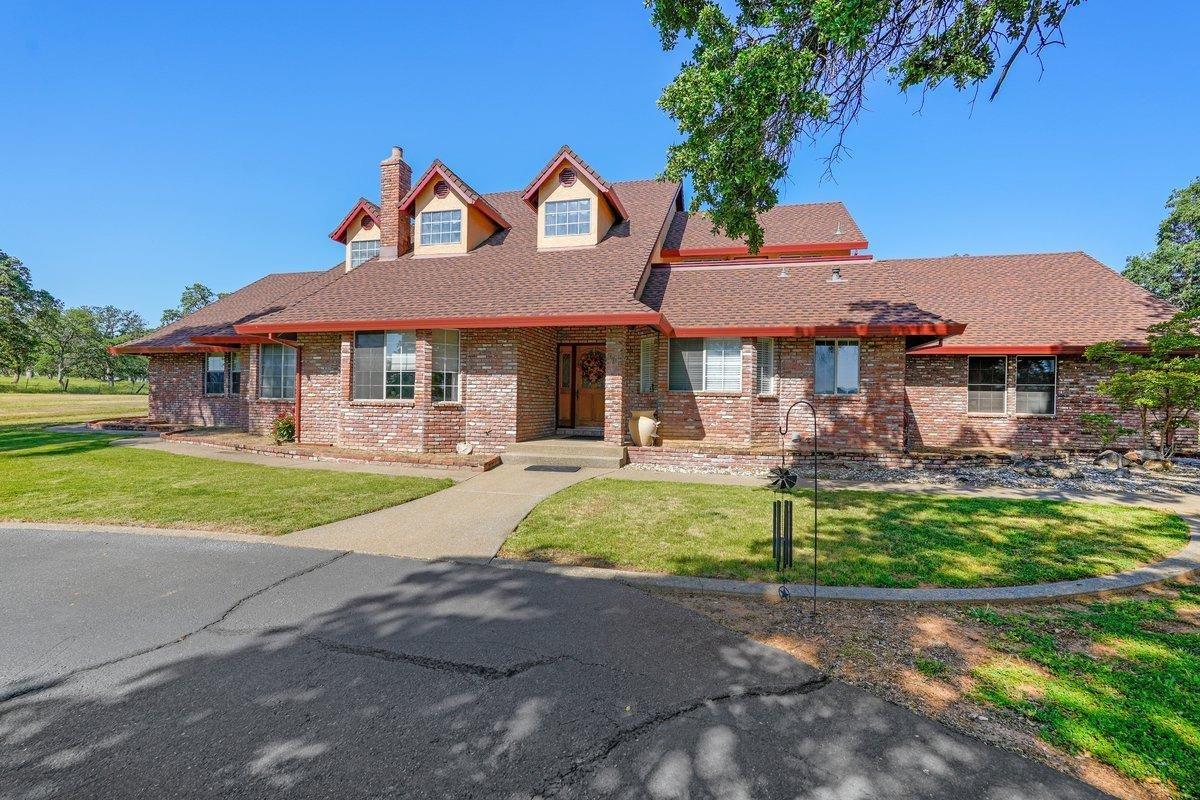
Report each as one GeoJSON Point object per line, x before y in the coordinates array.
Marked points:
{"type": "Point", "coordinates": [264, 296]}
{"type": "Point", "coordinates": [1050, 301]}
{"type": "Point", "coordinates": [506, 276]}
{"type": "Point", "coordinates": [804, 223]}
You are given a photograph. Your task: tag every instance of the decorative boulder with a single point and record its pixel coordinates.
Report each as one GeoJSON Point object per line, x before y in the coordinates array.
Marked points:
{"type": "Point", "coordinates": [1109, 459]}
{"type": "Point", "coordinates": [1156, 465]}
{"type": "Point", "coordinates": [1063, 471]}
{"type": "Point", "coordinates": [1134, 456]}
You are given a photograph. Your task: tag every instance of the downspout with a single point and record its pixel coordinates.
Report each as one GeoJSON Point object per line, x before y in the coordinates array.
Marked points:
{"type": "Point", "coordinates": [296, 402]}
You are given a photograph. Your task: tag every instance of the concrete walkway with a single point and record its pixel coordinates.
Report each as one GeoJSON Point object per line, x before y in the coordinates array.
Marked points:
{"type": "Point", "coordinates": [467, 522]}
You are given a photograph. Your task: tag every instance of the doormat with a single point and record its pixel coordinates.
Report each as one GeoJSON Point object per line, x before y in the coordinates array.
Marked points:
{"type": "Point", "coordinates": [550, 468]}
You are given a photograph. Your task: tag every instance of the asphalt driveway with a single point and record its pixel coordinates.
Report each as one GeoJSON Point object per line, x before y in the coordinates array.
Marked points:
{"type": "Point", "coordinates": [145, 666]}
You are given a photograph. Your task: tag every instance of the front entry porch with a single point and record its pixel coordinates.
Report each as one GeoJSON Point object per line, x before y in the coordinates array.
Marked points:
{"type": "Point", "coordinates": [566, 451]}
{"type": "Point", "coordinates": [579, 400]}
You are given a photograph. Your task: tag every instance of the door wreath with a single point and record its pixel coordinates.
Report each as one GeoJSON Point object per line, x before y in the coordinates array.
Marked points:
{"type": "Point", "coordinates": [591, 366]}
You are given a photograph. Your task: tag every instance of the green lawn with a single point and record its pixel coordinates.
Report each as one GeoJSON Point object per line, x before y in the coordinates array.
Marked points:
{"type": "Point", "coordinates": [1119, 679]}
{"type": "Point", "coordinates": [40, 384]}
{"type": "Point", "coordinates": [63, 477]}
{"type": "Point", "coordinates": [867, 538]}
{"type": "Point", "coordinates": [59, 408]}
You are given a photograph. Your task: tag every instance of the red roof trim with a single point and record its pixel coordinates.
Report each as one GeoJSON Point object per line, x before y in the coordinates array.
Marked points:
{"type": "Point", "coordinates": [121, 349]}
{"type": "Point", "coordinates": [226, 339]}
{"type": "Point", "coordinates": [652, 318]}
{"type": "Point", "coordinates": [339, 233]}
{"type": "Point", "coordinates": [743, 263]}
{"type": "Point", "coordinates": [939, 349]}
{"type": "Point", "coordinates": [530, 195]}
{"type": "Point", "coordinates": [767, 249]}
{"type": "Point", "coordinates": [807, 331]}
{"type": "Point", "coordinates": [440, 170]}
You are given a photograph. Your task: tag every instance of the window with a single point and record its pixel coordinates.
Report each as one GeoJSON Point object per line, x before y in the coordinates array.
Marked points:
{"type": "Point", "coordinates": [385, 365]}
{"type": "Point", "coordinates": [711, 365]}
{"type": "Point", "coordinates": [363, 251]}
{"type": "Point", "coordinates": [235, 373]}
{"type": "Point", "coordinates": [214, 373]}
{"type": "Point", "coordinates": [441, 227]}
{"type": "Point", "coordinates": [986, 378]}
{"type": "Point", "coordinates": [835, 367]}
{"type": "Point", "coordinates": [445, 366]}
{"type": "Point", "coordinates": [568, 217]}
{"type": "Point", "coordinates": [646, 365]}
{"type": "Point", "coordinates": [766, 366]}
{"type": "Point", "coordinates": [1036, 378]}
{"type": "Point", "coordinates": [277, 379]}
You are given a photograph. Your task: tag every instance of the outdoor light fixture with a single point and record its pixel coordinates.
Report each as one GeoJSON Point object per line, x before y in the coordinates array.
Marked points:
{"type": "Point", "coordinates": [782, 479]}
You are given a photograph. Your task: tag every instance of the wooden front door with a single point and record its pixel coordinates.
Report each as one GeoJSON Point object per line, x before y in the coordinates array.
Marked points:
{"type": "Point", "coordinates": [581, 385]}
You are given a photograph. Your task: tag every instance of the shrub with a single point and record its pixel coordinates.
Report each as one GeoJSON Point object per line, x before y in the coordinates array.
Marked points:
{"type": "Point", "coordinates": [283, 429]}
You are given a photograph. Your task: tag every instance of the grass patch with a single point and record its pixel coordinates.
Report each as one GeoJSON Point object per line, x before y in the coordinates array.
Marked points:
{"type": "Point", "coordinates": [42, 385]}
{"type": "Point", "coordinates": [867, 538]}
{"type": "Point", "coordinates": [57, 408]}
{"type": "Point", "coordinates": [63, 477]}
{"type": "Point", "coordinates": [1118, 680]}
{"type": "Point", "coordinates": [930, 667]}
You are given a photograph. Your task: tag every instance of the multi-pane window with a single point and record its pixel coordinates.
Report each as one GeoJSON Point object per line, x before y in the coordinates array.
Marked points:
{"type": "Point", "coordinates": [385, 365]}
{"type": "Point", "coordinates": [277, 372]}
{"type": "Point", "coordinates": [986, 379]}
{"type": "Point", "coordinates": [1036, 378]}
{"type": "Point", "coordinates": [835, 366]}
{"type": "Point", "coordinates": [214, 373]}
{"type": "Point", "coordinates": [766, 366]}
{"type": "Point", "coordinates": [441, 227]}
{"type": "Point", "coordinates": [568, 217]}
{"type": "Point", "coordinates": [646, 365]}
{"type": "Point", "coordinates": [235, 373]}
{"type": "Point", "coordinates": [711, 365]}
{"type": "Point", "coordinates": [445, 366]}
{"type": "Point", "coordinates": [361, 252]}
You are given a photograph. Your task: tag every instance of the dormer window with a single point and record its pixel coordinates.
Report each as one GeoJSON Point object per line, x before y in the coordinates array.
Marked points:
{"type": "Point", "coordinates": [441, 227]}
{"type": "Point", "coordinates": [363, 251]}
{"type": "Point", "coordinates": [568, 217]}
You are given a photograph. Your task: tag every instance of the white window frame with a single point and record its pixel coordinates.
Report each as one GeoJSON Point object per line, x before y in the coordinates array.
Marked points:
{"type": "Point", "coordinates": [235, 358]}
{"type": "Point", "coordinates": [1004, 410]}
{"type": "Point", "coordinates": [406, 354]}
{"type": "Point", "coordinates": [838, 344]}
{"type": "Point", "coordinates": [705, 385]}
{"type": "Point", "coordinates": [1017, 387]}
{"type": "Point", "coordinates": [441, 227]}
{"type": "Point", "coordinates": [284, 377]}
{"type": "Point", "coordinates": [560, 216]}
{"type": "Point", "coordinates": [456, 385]}
{"type": "Point", "coordinates": [224, 374]}
{"type": "Point", "coordinates": [362, 258]}
{"type": "Point", "coordinates": [648, 349]}
{"type": "Point", "coordinates": [766, 379]}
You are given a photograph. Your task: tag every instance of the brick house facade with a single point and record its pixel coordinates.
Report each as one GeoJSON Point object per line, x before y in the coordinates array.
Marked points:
{"type": "Point", "coordinates": [529, 283]}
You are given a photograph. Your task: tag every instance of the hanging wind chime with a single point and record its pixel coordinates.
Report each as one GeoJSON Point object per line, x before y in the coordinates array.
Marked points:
{"type": "Point", "coordinates": [784, 478]}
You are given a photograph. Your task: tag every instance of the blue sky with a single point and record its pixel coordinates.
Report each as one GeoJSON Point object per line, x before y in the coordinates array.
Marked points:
{"type": "Point", "coordinates": [147, 146]}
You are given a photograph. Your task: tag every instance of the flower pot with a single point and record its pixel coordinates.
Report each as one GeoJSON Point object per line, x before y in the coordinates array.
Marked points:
{"type": "Point", "coordinates": [643, 427]}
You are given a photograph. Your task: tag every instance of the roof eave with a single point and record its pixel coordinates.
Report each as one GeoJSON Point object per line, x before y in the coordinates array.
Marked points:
{"type": "Point", "coordinates": [767, 249]}
{"type": "Point", "coordinates": [651, 318]}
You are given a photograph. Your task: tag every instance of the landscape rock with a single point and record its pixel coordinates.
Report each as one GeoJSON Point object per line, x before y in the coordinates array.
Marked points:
{"type": "Point", "coordinates": [1134, 456]}
{"type": "Point", "coordinates": [1109, 459]}
{"type": "Point", "coordinates": [1064, 471]}
{"type": "Point", "coordinates": [1156, 465]}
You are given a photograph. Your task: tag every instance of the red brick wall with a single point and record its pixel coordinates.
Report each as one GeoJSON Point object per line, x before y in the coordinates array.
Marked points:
{"type": "Point", "coordinates": [537, 375]}
{"type": "Point", "coordinates": [490, 388]}
{"type": "Point", "coordinates": [177, 394]}
{"type": "Point", "coordinates": [936, 390]}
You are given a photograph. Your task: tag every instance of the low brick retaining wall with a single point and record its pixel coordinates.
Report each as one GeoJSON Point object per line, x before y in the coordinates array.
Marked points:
{"type": "Point", "coordinates": [134, 424]}
{"type": "Point", "coordinates": [477, 462]}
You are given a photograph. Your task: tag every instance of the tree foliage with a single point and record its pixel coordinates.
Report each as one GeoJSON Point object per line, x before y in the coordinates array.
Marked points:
{"type": "Point", "coordinates": [784, 71]}
{"type": "Point", "coordinates": [1162, 384]}
{"type": "Point", "coordinates": [1172, 270]}
{"type": "Point", "coordinates": [193, 298]}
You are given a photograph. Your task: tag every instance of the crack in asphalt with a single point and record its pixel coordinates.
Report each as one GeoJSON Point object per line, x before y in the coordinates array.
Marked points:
{"type": "Point", "coordinates": [25, 690]}
{"type": "Point", "coordinates": [429, 662]}
{"type": "Point", "coordinates": [584, 764]}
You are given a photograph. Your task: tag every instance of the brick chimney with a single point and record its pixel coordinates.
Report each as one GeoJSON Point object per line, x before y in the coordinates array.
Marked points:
{"type": "Point", "coordinates": [395, 179]}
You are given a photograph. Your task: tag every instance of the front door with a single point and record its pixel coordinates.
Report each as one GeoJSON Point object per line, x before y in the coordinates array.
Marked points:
{"type": "Point", "coordinates": [581, 386]}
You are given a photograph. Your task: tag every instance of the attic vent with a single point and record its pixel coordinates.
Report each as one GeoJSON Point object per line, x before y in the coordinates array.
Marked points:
{"type": "Point", "coordinates": [367, 223]}
{"type": "Point", "coordinates": [441, 189]}
{"type": "Point", "coordinates": [567, 177]}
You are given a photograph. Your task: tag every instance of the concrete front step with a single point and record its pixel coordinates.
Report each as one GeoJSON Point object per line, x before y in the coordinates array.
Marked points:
{"type": "Point", "coordinates": [565, 453]}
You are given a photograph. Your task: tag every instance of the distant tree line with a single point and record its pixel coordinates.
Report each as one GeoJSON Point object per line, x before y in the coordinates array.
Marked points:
{"type": "Point", "coordinates": [39, 335]}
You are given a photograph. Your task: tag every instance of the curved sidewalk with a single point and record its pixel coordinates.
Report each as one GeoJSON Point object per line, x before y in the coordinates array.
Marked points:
{"type": "Point", "coordinates": [1181, 563]}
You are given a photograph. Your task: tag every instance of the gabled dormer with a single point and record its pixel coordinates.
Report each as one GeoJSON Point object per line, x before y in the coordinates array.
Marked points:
{"type": "Point", "coordinates": [450, 217]}
{"type": "Point", "coordinates": [360, 232]}
{"type": "Point", "coordinates": [575, 206]}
